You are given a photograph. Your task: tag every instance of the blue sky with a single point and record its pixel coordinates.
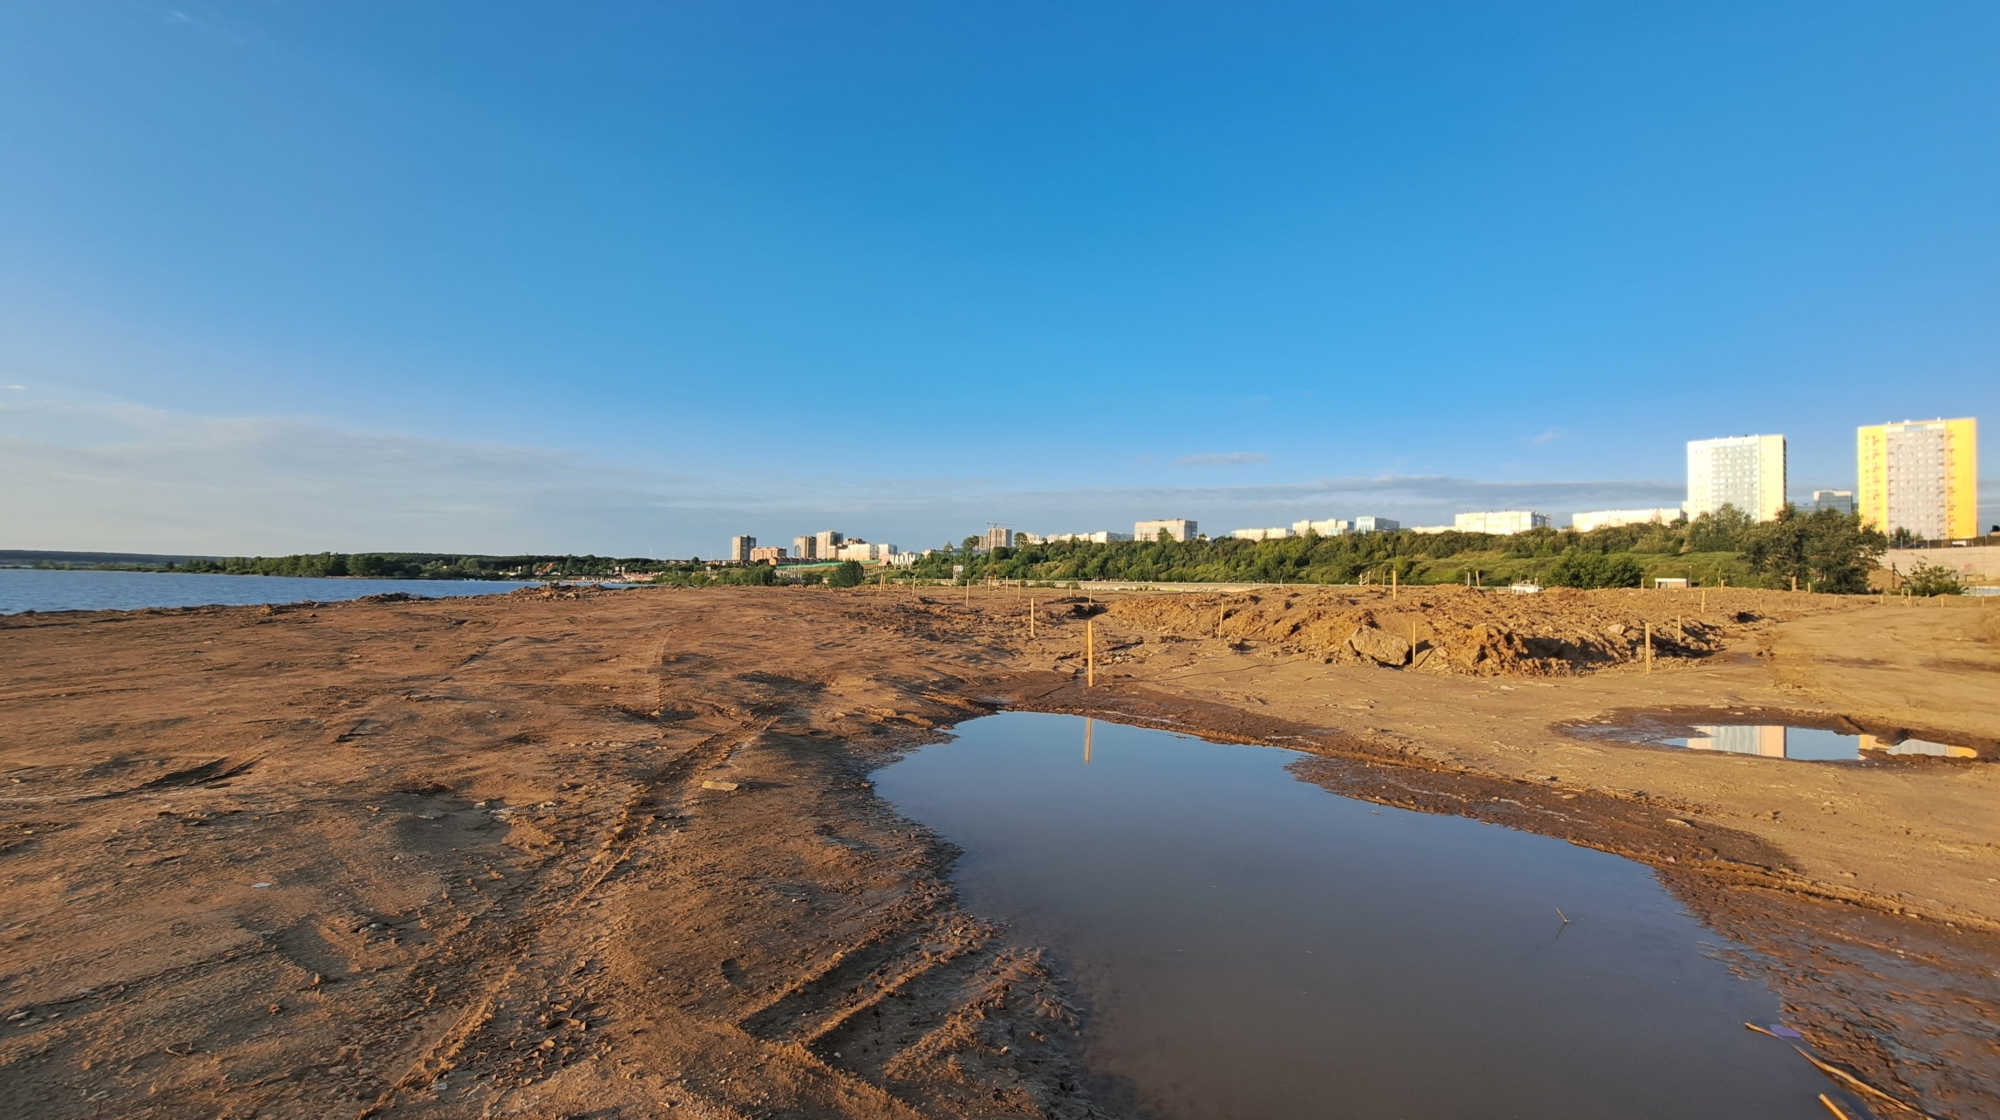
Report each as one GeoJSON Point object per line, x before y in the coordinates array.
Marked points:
{"type": "Point", "coordinates": [630, 278]}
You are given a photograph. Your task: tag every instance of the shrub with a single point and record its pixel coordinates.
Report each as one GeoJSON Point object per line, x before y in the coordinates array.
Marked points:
{"type": "Point", "coordinates": [1932, 579]}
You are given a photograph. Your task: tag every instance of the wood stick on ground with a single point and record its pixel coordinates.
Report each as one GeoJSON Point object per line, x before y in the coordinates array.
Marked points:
{"type": "Point", "coordinates": [1854, 1082]}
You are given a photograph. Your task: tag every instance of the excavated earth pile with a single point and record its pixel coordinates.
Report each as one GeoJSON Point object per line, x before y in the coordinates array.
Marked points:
{"type": "Point", "coordinates": [1452, 630]}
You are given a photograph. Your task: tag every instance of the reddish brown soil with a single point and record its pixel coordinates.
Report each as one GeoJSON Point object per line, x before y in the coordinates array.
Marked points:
{"type": "Point", "coordinates": [458, 858]}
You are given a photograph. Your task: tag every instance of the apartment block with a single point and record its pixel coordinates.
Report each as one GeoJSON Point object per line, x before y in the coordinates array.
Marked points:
{"type": "Point", "coordinates": [1331, 527]}
{"type": "Point", "coordinates": [864, 551]}
{"type": "Point", "coordinates": [805, 548]}
{"type": "Point", "coordinates": [1502, 521]}
{"type": "Point", "coordinates": [1612, 518]}
{"type": "Point", "coordinates": [739, 549]}
{"type": "Point", "coordinates": [996, 537]}
{"type": "Point", "coordinates": [1369, 524]}
{"type": "Point", "coordinates": [1747, 472]}
{"type": "Point", "coordinates": [1177, 528]}
{"type": "Point", "coordinates": [1839, 501]}
{"type": "Point", "coordinates": [1920, 475]}
{"type": "Point", "coordinates": [774, 554]}
{"type": "Point", "coordinates": [826, 543]}
{"type": "Point", "coordinates": [1277, 533]}
{"type": "Point", "coordinates": [1102, 536]}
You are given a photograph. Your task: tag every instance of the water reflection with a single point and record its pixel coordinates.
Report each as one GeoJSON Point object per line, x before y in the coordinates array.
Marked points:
{"type": "Point", "coordinates": [1253, 946]}
{"type": "Point", "coordinates": [1776, 740]}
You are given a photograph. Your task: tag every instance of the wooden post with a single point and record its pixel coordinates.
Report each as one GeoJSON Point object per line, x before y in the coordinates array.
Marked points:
{"type": "Point", "coordinates": [1086, 740]}
{"type": "Point", "coordinates": [1392, 583]}
{"type": "Point", "coordinates": [1704, 600]}
{"type": "Point", "coordinates": [1031, 618]}
{"type": "Point", "coordinates": [1090, 653]}
{"type": "Point", "coordinates": [1649, 648]}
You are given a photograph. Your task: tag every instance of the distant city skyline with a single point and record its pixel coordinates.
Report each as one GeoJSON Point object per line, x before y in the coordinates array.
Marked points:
{"type": "Point", "coordinates": [632, 280]}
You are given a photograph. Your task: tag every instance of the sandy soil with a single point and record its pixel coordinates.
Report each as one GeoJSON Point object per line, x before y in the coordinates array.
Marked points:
{"type": "Point", "coordinates": [468, 857]}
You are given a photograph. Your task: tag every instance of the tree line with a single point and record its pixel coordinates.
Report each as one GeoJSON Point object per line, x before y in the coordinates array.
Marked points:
{"type": "Point", "coordinates": [422, 565]}
{"type": "Point", "coordinates": [1826, 550]}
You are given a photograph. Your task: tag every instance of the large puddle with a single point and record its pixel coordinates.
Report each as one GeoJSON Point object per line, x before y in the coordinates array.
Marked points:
{"type": "Point", "coordinates": [1252, 946]}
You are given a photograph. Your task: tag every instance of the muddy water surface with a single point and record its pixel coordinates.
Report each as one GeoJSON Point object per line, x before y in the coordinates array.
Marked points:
{"type": "Point", "coordinates": [1252, 946]}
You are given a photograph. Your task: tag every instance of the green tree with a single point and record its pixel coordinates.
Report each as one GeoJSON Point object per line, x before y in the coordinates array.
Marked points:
{"type": "Point", "coordinates": [1726, 530]}
{"type": "Point", "coordinates": [1825, 550]}
{"type": "Point", "coordinates": [1579, 567]}
{"type": "Point", "coordinates": [848, 574]}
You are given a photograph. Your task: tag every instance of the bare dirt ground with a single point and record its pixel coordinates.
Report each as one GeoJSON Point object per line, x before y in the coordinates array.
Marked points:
{"type": "Point", "coordinates": [468, 857]}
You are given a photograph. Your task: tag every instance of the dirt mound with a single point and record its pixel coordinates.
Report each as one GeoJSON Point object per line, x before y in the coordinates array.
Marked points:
{"type": "Point", "coordinates": [1451, 630]}
{"type": "Point", "coordinates": [554, 591]}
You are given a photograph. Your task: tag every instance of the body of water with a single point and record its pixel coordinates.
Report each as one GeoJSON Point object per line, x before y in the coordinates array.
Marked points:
{"type": "Point", "coordinates": [37, 589]}
{"type": "Point", "coordinates": [1250, 945]}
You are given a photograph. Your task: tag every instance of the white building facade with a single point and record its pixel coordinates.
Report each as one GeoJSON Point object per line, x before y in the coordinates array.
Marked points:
{"type": "Point", "coordinates": [1501, 521]}
{"type": "Point", "coordinates": [1331, 527]}
{"type": "Point", "coordinates": [1102, 536]}
{"type": "Point", "coordinates": [1747, 472]}
{"type": "Point", "coordinates": [1611, 518]}
{"type": "Point", "coordinates": [1176, 528]}
{"type": "Point", "coordinates": [863, 551]}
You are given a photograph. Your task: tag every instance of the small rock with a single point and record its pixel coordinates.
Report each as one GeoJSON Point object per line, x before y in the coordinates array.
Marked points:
{"type": "Point", "coordinates": [725, 787]}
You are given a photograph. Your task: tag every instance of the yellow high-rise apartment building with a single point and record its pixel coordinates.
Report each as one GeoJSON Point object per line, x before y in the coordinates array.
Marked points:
{"type": "Point", "coordinates": [1920, 475]}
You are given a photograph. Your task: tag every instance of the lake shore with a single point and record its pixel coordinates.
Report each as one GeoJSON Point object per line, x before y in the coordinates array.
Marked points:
{"type": "Point", "coordinates": [565, 850]}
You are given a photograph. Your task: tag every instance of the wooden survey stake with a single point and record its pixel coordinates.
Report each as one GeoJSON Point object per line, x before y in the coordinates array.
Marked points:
{"type": "Point", "coordinates": [1089, 654]}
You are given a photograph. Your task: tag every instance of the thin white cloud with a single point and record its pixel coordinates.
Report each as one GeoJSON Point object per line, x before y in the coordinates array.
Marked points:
{"type": "Point", "coordinates": [1549, 436]}
{"type": "Point", "coordinates": [113, 476]}
{"type": "Point", "coordinates": [1230, 459]}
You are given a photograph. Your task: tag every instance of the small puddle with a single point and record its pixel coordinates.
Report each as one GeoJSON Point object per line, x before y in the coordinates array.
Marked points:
{"type": "Point", "coordinates": [1250, 945]}
{"type": "Point", "coordinates": [1813, 744]}
{"type": "Point", "coordinates": [1768, 740]}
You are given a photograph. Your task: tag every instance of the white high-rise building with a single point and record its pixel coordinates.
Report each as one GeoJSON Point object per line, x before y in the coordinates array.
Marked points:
{"type": "Point", "coordinates": [1747, 472]}
{"type": "Point", "coordinates": [739, 549]}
